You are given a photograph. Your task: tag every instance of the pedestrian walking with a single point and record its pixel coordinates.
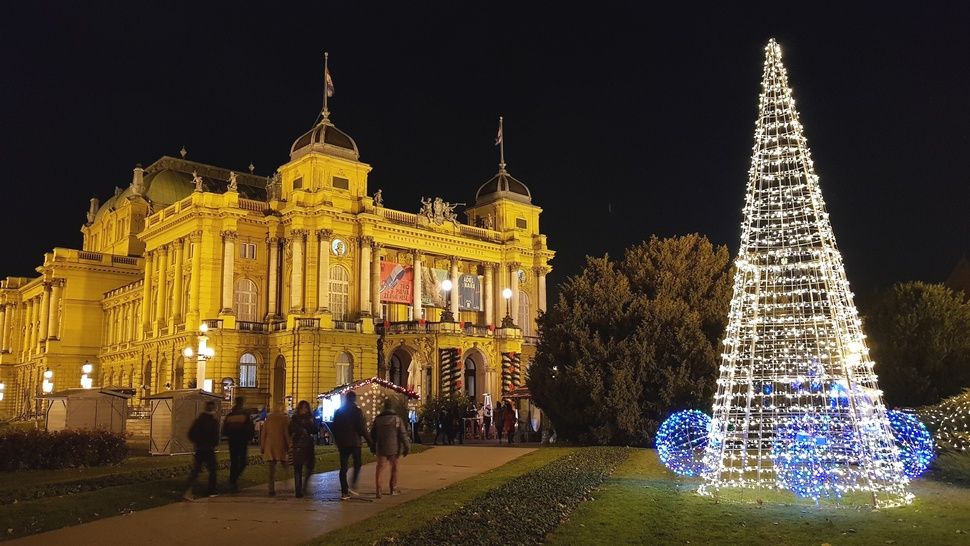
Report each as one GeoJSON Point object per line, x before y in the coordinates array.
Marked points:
{"type": "Point", "coordinates": [274, 443]}
{"type": "Point", "coordinates": [204, 433]}
{"type": "Point", "coordinates": [487, 421]}
{"type": "Point", "coordinates": [348, 428]}
{"type": "Point", "coordinates": [509, 416]}
{"type": "Point", "coordinates": [238, 428]}
{"type": "Point", "coordinates": [441, 426]}
{"type": "Point", "coordinates": [499, 420]}
{"type": "Point", "coordinates": [302, 430]}
{"type": "Point", "coordinates": [389, 441]}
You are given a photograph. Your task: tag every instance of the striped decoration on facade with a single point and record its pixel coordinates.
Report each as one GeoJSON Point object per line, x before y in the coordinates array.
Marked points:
{"type": "Point", "coordinates": [450, 369]}
{"type": "Point", "coordinates": [510, 372]}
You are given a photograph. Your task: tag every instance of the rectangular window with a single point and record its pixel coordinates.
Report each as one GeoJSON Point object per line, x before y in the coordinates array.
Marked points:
{"type": "Point", "coordinates": [384, 311]}
{"type": "Point", "coordinates": [191, 250]}
{"type": "Point", "coordinates": [521, 223]}
{"type": "Point", "coordinates": [298, 183]}
{"type": "Point", "coordinates": [247, 375]}
{"type": "Point", "coordinates": [249, 251]}
{"type": "Point", "coordinates": [341, 183]}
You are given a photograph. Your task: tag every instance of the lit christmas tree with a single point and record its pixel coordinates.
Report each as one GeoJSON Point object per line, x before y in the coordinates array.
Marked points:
{"type": "Point", "coordinates": [797, 404]}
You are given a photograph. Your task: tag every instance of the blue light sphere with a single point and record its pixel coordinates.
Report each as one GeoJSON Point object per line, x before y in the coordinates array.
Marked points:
{"type": "Point", "coordinates": [681, 441]}
{"type": "Point", "coordinates": [809, 454]}
{"type": "Point", "coordinates": [914, 441]}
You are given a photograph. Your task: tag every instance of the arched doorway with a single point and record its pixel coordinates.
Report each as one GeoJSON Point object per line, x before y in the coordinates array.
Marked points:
{"type": "Point", "coordinates": [164, 374]}
{"type": "Point", "coordinates": [279, 382]}
{"type": "Point", "coordinates": [398, 370]}
{"type": "Point", "coordinates": [146, 377]}
{"type": "Point", "coordinates": [178, 381]}
{"type": "Point", "coordinates": [473, 377]}
{"type": "Point", "coordinates": [525, 314]}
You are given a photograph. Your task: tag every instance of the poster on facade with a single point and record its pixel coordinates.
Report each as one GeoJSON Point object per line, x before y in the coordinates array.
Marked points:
{"type": "Point", "coordinates": [397, 283]}
{"type": "Point", "coordinates": [432, 294]}
{"type": "Point", "coordinates": [470, 292]}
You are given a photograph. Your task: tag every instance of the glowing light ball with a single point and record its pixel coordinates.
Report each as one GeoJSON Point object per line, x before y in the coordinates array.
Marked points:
{"type": "Point", "coordinates": [681, 441]}
{"type": "Point", "coordinates": [914, 441]}
{"type": "Point", "coordinates": [809, 455]}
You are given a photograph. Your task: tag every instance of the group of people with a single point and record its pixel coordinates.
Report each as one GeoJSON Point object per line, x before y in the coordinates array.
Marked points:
{"type": "Point", "coordinates": [450, 424]}
{"type": "Point", "coordinates": [290, 441]}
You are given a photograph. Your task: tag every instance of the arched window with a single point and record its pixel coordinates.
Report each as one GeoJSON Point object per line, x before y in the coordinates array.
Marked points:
{"type": "Point", "coordinates": [398, 372]}
{"type": "Point", "coordinates": [344, 366]}
{"type": "Point", "coordinates": [247, 370]}
{"type": "Point", "coordinates": [146, 376]}
{"type": "Point", "coordinates": [339, 292]}
{"type": "Point", "coordinates": [470, 387]}
{"type": "Point", "coordinates": [246, 300]}
{"type": "Point", "coordinates": [525, 317]}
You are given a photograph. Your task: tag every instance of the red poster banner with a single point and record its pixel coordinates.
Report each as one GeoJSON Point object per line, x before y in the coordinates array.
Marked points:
{"type": "Point", "coordinates": [397, 283]}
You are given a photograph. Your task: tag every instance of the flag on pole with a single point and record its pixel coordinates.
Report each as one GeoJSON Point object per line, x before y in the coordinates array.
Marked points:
{"type": "Point", "coordinates": [326, 73]}
{"type": "Point", "coordinates": [498, 137]}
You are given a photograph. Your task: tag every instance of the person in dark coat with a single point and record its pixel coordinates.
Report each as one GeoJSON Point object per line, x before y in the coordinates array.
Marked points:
{"type": "Point", "coordinates": [508, 416]}
{"type": "Point", "coordinates": [440, 427]}
{"type": "Point", "coordinates": [499, 420]}
{"type": "Point", "coordinates": [204, 433]}
{"type": "Point", "coordinates": [239, 429]}
{"type": "Point", "coordinates": [302, 430]}
{"type": "Point", "coordinates": [389, 440]}
{"type": "Point", "coordinates": [348, 428]}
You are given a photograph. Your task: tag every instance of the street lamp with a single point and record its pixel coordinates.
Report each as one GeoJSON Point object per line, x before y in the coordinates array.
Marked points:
{"type": "Point", "coordinates": [3, 387]}
{"type": "Point", "coordinates": [48, 385]}
{"type": "Point", "coordinates": [447, 315]}
{"type": "Point", "coordinates": [86, 381]}
{"type": "Point", "coordinates": [507, 322]}
{"type": "Point", "coordinates": [203, 353]}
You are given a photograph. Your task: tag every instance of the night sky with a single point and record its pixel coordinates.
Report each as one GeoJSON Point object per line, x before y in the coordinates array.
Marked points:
{"type": "Point", "coordinates": [624, 119]}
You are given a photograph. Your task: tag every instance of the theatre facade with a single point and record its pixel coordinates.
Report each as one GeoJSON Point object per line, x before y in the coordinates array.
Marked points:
{"type": "Point", "coordinates": [298, 283]}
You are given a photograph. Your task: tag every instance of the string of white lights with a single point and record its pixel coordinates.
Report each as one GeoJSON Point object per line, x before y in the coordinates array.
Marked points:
{"type": "Point", "coordinates": [797, 405]}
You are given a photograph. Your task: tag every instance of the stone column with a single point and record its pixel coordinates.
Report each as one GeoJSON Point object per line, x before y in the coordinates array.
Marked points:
{"type": "Point", "coordinates": [3, 327]}
{"type": "Point", "coordinates": [34, 330]}
{"type": "Point", "coordinates": [162, 281]}
{"type": "Point", "coordinates": [416, 305]}
{"type": "Point", "coordinates": [514, 279]}
{"type": "Point", "coordinates": [28, 328]}
{"type": "Point", "coordinates": [177, 285]}
{"type": "Point", "coordinates": [375, 280]}
{"type": "Point", "coordinates": [296, 271]}
{"type": "Point", "coordinates": [455, 289]}
{"type": "Point", "coordinates": [146, 299]}
{"type": "Point", "coordinates": [228, 262]}
{"type": "Point", "coordinates": [365, 244]}
{"type": "Point", "coordinates": [541, 283]}
{"type": "Point", "coordinates": [196, 279]}
{"type": "Point", "coordinates": [53, 327]}
{"type": "Point", "coordinates": [489, 291]}
{"type": "Point", "coordinates": [324, 236]}
{"type": "Point", "coordinates": [272, 281]}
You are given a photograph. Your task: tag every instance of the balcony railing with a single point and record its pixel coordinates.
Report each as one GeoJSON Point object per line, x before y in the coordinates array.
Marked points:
{"type": "Point", "coordinates": [346, 325]}
{"type": "Point", "coordinates": [213, 324]}
{"type": "Point", "coordinates": [277, 326]}
{"type": "Point", "coordinates": [479, 330]}
{"type": "Point", "coordinates": [427, 327]}
{"type": "Point", "coordinates": [307, 323]}
{"type": "Point", "coordinates": [247, 326]}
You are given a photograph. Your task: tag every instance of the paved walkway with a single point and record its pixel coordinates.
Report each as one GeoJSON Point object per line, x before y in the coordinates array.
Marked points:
{"type": "Point", "coordinates": [251, 517]}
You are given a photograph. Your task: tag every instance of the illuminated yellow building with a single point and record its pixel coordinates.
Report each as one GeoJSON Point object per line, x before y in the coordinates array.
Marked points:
{"type": "Point", "coordinates": [301, 282]}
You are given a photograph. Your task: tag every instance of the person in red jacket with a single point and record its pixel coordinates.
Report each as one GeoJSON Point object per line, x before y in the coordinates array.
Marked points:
{"type": "Point", "coordinates": [508, 416]}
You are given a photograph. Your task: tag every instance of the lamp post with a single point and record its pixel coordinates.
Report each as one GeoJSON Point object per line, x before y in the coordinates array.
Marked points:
{"type": "Point", "coordinates": [447, 315]}
{"type": "Point", "coordinates": [507, 322]}
{"type": "Point", "coordinates": [202, 354]}
{"type": "Point", "coordinates": [86, 381]}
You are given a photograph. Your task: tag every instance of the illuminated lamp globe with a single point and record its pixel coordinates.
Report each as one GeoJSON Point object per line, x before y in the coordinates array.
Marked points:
{"type": "Point", "coordinates": [681, 441]}
{"type": "Point", "coordinates": [48, 374]}
{"type": "Point", "coordinates": [188, 352]}
{"type": "Point", "coordinates": [203, 328]}
{"type": "Point", "coordinates": [507, 293]}
{"type": "Point", "coordinates": [210, 352]}
{"type": "Point", "coordinates": [87, 368]}
{"type": "Point", "coordinates": [914, 441]}
{"type": "Point", "coordinates": [446, 285]}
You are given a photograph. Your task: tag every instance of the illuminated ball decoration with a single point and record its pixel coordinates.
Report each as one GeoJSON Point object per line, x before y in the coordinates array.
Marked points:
{"type": "Point", "coordinates": [806, 454]}
{"type": "Point", "coordinates": [914, 441]}
{"type": "Point", "coordinates": [681, 441]}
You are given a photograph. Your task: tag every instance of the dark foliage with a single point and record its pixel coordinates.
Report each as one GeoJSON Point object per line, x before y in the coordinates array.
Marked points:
{"type": "Point", "coordinates": [37, 449]}
{"type": "Point", "coordinates": [525, 509]}
{"type": "Point", "coordinates": [919, 334]}
{"type": "Point", "coordinates": [630, 341]}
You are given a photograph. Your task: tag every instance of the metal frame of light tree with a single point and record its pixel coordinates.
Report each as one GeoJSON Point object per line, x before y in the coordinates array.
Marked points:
{"type": "Point", "coordinates": [797, 403]}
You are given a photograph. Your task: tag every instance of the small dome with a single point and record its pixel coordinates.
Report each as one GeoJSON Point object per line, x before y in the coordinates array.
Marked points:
{"type": "Point", "coordinates": [168, 186]}
{"type": "Point", "coordinates": [503, 185]}
{"type": "Point", "coordinates": [327, 139]}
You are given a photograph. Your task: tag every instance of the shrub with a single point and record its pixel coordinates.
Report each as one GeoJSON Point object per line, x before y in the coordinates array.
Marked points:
{"type": "Point", "coordinates": [526, 509]}
{"type": "Point", "coordinates": [42, 450]}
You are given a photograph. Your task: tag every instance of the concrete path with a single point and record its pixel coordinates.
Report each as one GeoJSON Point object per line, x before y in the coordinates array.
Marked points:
{"type": "Point", "coordinates": [251, 517]}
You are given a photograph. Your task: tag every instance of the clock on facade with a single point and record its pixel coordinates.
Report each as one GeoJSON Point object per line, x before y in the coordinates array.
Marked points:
{"type": "Point", "coordinates": [338, 247]}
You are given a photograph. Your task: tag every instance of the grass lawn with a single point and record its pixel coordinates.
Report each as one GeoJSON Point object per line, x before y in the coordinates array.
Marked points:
{"type": "Point", "coordinates": [35, 516]}
{"type": "Point", "coordinates": [401, 519]}
{"type": "Point", "coordinates": [644, 503]}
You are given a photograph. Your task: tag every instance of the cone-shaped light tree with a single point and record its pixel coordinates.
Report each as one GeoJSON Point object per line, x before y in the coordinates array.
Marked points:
{"type": "Point", "coordinates": [797, 403]}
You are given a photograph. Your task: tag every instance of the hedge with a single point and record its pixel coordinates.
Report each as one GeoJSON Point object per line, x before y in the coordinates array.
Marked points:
{"type": "Point", "coordinates": [526, 509]}
{"type": "Point", "coordinates": [42, 450]}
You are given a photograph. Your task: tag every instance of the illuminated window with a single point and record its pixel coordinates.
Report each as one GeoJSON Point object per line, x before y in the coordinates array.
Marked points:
{"type": "Point", "coordinates": [344, 366]}
{"type": "Point", "coordinates": [245, 300]}
{"type": "Point", "coordinates": [339, 292]}
{"type": "Point", "coordinates": [521, 223]}
{"type": "Point", "coordinates": [249, 251]}
{"type": "Point", "coordinates": [247, 370]}
{"type": "Point", "coordinates": [298, 183]}
{"type": "Point", "coordinates": [341, 183]}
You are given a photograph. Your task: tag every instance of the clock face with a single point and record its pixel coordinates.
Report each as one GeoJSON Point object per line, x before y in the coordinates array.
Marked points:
{"type": "Point", "coordinates": [338, 247]}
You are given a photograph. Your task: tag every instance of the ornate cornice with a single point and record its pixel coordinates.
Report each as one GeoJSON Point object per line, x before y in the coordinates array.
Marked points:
{"type": "Point", "coordinates": [324, 234]}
